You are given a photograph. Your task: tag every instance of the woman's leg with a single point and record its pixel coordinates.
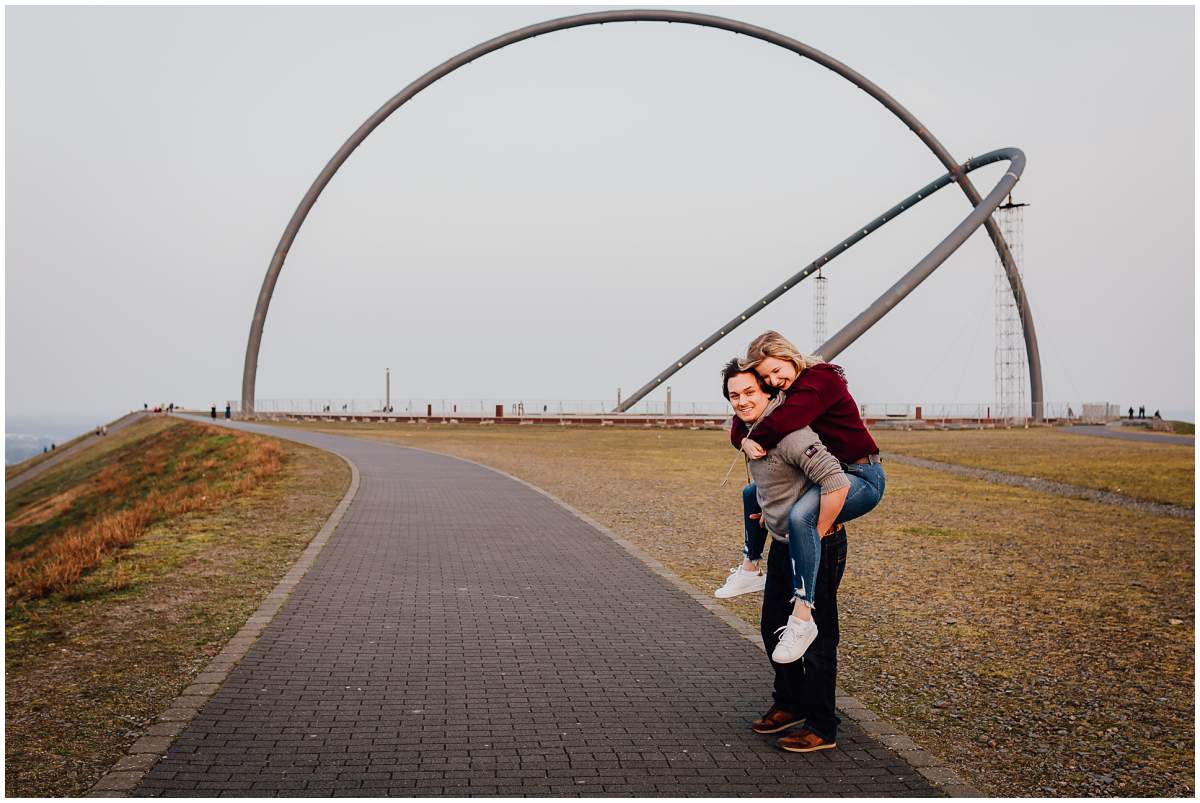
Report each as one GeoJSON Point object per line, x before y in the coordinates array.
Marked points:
{"type": "Point", "coordinates": [756, 534]}
{"type": "Point", "coordinates": [867, 482]}
{"type": "Point", "coordinates": [748, 577]}
{"type": "Point", "coordinates": [804, 553]}
{"type": "Point", "coordinates": [804, 547]}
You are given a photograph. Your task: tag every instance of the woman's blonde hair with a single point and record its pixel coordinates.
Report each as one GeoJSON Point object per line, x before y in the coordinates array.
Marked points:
{"type": "Point", "coordinates": [773, 344]}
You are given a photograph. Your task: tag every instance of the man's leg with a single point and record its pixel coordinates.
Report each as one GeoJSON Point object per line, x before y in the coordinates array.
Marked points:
{"type": "Point", "coordinates": [776, 608]}
{"type": "Point", "coordinates": [819, 679]}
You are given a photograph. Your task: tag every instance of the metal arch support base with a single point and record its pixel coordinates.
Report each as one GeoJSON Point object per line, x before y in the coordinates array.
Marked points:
{"type": "Point", "coordinates": [896, 293]}
{"type": "Point", "coordinates": [250, 367]}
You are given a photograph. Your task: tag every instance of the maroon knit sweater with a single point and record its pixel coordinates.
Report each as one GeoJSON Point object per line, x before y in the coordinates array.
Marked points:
{"type": "Point", "coordinates": [819, 398]}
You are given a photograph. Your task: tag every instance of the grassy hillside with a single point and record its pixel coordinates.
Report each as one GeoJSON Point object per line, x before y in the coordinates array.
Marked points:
{"type": "Point", "coordinates": [127, 568]}
{"type": "Point", "coordinates": [58, 528]}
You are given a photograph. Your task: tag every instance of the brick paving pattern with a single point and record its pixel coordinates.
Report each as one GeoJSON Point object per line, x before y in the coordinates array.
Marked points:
{"type": "Point", "coordinates": [463, 635]}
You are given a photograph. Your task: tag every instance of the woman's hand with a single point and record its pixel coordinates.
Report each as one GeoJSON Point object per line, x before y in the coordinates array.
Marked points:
{"type": "Point", "coordinates": [758, 517]}
{"type": "Point", "coordinates": [752, 449]}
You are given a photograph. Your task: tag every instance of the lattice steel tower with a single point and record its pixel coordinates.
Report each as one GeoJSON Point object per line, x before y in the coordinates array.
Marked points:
{"type": "Point", "coordinates": [1009, 377]}
{"type": "Point", "coordinates": [820, 299]}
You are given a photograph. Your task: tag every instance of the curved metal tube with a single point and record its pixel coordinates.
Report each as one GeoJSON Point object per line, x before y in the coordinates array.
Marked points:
{"type": "Point", "coordinates": [250, 368]}
{"type": "Point", "coordinates": [851, 332]}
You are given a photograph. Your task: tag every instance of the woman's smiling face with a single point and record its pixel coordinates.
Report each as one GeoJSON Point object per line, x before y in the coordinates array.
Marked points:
{"type": "Point", "coordinates": [776, 372]}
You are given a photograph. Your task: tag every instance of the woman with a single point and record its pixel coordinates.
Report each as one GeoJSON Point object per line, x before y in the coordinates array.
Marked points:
{"type": "Point", "coordinates": [815, 395]}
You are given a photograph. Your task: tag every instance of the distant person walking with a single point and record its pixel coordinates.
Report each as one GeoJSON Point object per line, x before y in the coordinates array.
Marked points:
{"type": "Point", "coordinates": [1142, 411]}
{"type": "Point", "coordinates": [214, 412]}
{"type": "Point", "coordinates": [1130, 413]}
{"type": "Point", "coordinates": [228, 410]}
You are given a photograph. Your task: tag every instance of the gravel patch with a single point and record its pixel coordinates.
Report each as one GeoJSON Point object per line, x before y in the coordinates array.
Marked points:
{"type": "Point", "coordinates": [1145, 437]}
{"type": "Point", "coordinates": [1050, 487]}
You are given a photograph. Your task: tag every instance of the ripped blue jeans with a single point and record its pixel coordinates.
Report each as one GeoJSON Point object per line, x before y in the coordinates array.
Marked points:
{"type": "Point", "coordinates": [867, 483]}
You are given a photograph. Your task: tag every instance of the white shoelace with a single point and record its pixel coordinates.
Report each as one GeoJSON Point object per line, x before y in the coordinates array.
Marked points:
{"type": "Point", "coordinates": [734, 574]}
{"type": "Point", "coordinates": [789, 634]}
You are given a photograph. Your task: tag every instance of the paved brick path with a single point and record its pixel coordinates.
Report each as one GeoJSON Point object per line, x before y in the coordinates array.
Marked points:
{"type": "Point", "coordinates": [462, 634]}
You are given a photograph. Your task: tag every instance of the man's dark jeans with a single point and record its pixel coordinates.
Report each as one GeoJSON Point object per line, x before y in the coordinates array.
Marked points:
{"type": "Point", "coordinates": [807, 687]}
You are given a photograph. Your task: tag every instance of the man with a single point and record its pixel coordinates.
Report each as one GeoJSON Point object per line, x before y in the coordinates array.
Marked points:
{"type": "Point", "coordinates": [804, 690]}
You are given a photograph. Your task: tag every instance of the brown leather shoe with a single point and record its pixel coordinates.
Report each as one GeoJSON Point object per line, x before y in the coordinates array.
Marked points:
{"type": "Point", "coordinates": [775, 720]}
{"type": "Point", "coordinates": [804, 741]}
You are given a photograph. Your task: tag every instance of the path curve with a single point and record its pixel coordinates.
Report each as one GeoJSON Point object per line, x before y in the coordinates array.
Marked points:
{"type": "Point", "coordinates": [1144, 437]}
{"type": "Point", "coordinates": [463, 633]}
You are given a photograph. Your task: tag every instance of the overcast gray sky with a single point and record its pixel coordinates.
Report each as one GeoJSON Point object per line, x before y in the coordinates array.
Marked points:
{"type": "Point", "coordinates": [570, 214]}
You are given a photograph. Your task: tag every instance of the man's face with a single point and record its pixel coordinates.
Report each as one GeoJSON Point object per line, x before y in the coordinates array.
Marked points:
{"type": "Point", "coordinates": [746, 396]}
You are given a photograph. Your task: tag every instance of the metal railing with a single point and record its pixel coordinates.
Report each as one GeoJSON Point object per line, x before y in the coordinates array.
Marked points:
{"type": "Point", "coordinates": [1062, 411]}
{"type": "Point", "coordinates": [486, 408]}
{"type": "Point", "coordinates": [557, 408]}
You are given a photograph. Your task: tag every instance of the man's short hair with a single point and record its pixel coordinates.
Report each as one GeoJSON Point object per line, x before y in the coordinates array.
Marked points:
{"type": "Point", "coordinates": [731, 370]}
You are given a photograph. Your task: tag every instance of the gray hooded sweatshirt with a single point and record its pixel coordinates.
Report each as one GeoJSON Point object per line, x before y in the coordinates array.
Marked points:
{"type": "Point", "coordinates": [785, 473]}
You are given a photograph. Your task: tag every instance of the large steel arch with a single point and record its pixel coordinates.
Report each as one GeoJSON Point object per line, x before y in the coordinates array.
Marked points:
{"type": "Point", "coordinates": [896, 293]}
{"type": "Point", "coordinates": [886, 302]}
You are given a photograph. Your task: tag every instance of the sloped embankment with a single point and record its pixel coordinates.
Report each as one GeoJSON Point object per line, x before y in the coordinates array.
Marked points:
{"type": "Point", "coordinates": [127, 568]}
{"type": "Point", "coordinates": [58, 529]}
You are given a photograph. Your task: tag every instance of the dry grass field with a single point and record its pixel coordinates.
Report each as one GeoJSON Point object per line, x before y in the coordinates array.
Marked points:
{"type": "Point", "coordinates": [1040, 645]}
{"type": "Point", "coordinates": [1157, 472]}
{"type": "Point", "coordinates": [102, 632]}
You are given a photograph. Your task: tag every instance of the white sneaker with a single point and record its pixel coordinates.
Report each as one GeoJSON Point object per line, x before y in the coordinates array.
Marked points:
{"type": "Point", "coordinates": [741, 582]}
{"type": "Point", "coordinates": [798, 636]}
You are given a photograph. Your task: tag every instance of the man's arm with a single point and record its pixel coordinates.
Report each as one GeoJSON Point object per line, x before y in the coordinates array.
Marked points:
{"type": "Point", "coordinates": [804, 450]}
{"type": "Point", "coordinates": [831, 507]}
{"type": "Point", "coordinates": [737, 432]}
{"type": "Point", "coordinates": [801, 406]}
